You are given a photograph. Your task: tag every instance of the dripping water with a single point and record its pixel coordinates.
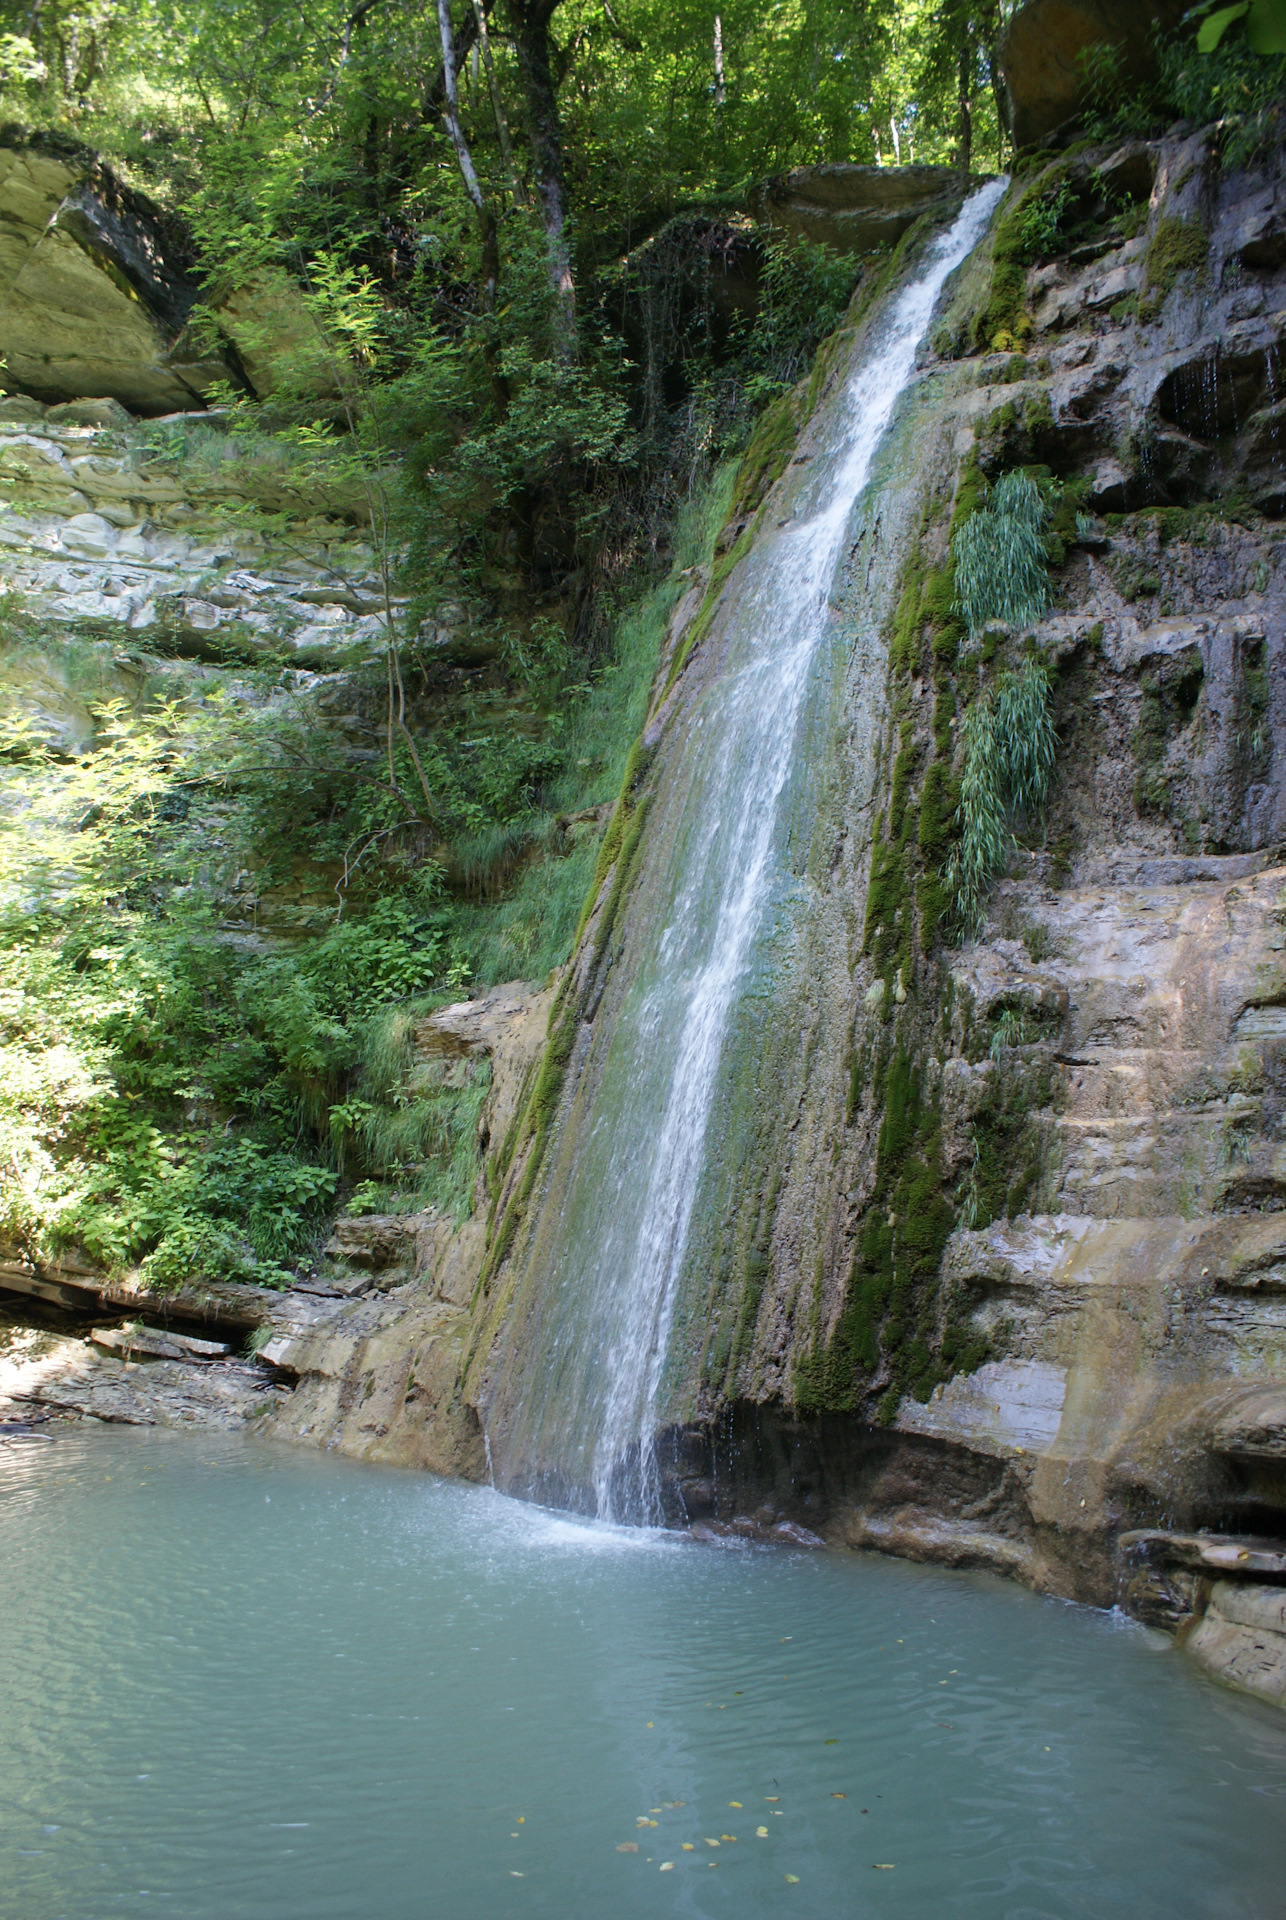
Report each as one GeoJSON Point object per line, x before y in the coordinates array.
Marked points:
{"type": "Point", "coordinates": [575, 1407]}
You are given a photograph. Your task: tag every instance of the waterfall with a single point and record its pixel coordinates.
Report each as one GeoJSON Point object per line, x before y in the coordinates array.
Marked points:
{"type": "Point", "coordinates": [575, 1406]}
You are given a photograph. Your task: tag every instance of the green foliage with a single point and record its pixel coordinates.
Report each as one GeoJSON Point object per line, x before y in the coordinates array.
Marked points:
{"type": "Point", "coordinates": [1230, 84]}
{"type": "Point", "coordinates": [1041, 220]}
{"type": "Point", "coordinates": [804, 288]}
{"type": "Point", "coordinates": [1009, 751]}
{"type": "Point", "coordinates": [999, 556]}
{"type": "Point", "coordinates": [1263, 22]}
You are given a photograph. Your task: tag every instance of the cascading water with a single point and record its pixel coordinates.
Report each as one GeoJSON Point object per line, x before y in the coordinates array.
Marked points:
{"type": "Point", "coordinates": [575, 1405]}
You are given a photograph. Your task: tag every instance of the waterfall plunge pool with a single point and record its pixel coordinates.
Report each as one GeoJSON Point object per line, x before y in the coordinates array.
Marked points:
{"type": "Point", "coordinates": [239, 1681]}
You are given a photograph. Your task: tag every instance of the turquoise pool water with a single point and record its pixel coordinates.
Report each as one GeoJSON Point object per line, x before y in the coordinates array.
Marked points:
{"type": "Point", "coordinates": [239, 1682]}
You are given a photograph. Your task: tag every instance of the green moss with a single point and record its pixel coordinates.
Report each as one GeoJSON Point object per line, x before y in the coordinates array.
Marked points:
{"type": "Point", "coordinates": [939, 610]}
{"type": "Point", "coordinates": [903, 768]}
{"type": "Point", "coordinates": [621, 878]}
{"type": "Point", "coordinates": [1004, 321]}
{"type": "Point", "coordinates": [904, 647]}
{"type": "Point", "coordinates": [636, 765]}
{"type": "Point", "coordinates": [1177, 246]}
{"type": "Point", "coordinates": [697, 632]}
{"type": "Point", "coordinates": [768, 452]}
{"type": "Point", "coordinates": [939, 798]}
{"type": "Point", "coordinates": [933, 898]}
{"type": "Point", "coordinates": [890, 1316]}
{"type": "Point", "coordinates": [970, 495]}
{"type": "Point", "coordinates": [1009, 1139]}
{"type": "Point", "coordinates": [944, 712]}
{"type": "Point", "coordinates": [886, 900]}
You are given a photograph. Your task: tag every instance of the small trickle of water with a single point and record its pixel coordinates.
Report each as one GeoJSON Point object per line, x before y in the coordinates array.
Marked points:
{"type": "Point", "coordinates": [578, 1405]}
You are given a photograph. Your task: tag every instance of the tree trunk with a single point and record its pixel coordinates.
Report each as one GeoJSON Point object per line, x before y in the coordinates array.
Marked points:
{"type": "Point", "coordinates": [720, 88]}
{"type": "Point", "coordinates": [498, 107]}
{"type": "Point", "coordinates": [966, 107]}
{"type": "Point", "coordinates": [482, 206]}
{"type": "Point", "coordinates": [530, 21]}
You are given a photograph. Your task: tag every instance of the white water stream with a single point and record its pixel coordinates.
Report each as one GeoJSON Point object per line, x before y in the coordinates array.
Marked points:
{"type": "Point", "coordinates": [585, 1412]}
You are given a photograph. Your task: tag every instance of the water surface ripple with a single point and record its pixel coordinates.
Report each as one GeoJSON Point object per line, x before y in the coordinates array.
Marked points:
{"type": "Point", "coordinates": [239, 1683]}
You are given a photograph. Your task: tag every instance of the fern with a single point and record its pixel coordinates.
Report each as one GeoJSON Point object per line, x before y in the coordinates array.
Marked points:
{"type": "Point", "coordinates": [999, 555]}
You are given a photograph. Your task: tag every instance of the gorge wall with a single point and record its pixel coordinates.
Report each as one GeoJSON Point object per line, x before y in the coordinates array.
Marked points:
{"type": "Point", "coordinates": [987, 1264]}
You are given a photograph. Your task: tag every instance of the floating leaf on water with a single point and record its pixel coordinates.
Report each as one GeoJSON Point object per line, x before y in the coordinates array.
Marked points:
{"type": "Point", "coordinates": [772, 1796]}
{"type": "Point", "coordinates": [839, 1796]}
{"type": "Point", "coordinates": [762, 1832]}
{"type": "Point", "coordinates": [729, 1836]}
{"type": "Point", "coordinates": [667, 1866]}
{"type": "Point", "coordinates": [883, 1866]}
{"type": "Point", "coordinates": [689, 1846]}
{"type": "Point", "coordinates": [710, 1842]}
{"type": "Point", "coordinates": [835, 1743]}
{"type": "Point", "coordinates": [514, 1874]}
{"type": "Point", "coordinates": [734, 1803]}
{"type": "Point", "coordinates": [521, 1819]}
{"type": "Point", "coordinates": [628, 1846]}
{"type": "Point", "coordinates": [793, 1878]}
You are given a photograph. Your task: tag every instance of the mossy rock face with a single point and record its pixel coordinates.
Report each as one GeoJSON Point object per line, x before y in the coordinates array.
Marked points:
{"type": "Point", "coordinates": [1176, 247]}
{"type": "Point", "coordinates": [769, 451]}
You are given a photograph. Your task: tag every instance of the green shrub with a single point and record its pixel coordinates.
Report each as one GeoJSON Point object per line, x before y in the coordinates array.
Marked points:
{"type": "Point", "coordinates": [999, 556]}
{"type": "Point", "coordinates": [1009, 744]}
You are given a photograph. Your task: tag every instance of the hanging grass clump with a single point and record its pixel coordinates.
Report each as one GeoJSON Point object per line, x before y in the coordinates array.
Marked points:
{"type": "Point", "coordinates": [999, 554]}
{"type": "Point", "coordinates": [1009, 744]}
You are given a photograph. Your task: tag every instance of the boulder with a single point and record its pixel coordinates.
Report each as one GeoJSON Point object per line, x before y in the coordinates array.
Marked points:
{"type": "Point", "coordinates": [279, 343]}
{"type": "Point", "coordinates": [94, 281]}
{"type": "Point", "coordinates": [155, 1343]}
{"type": "Point", "coordinates": [89, 535]}
{"type": "Point", "coordinates": [1242, 1638]}
{"type": "Point", "coordinates": [852, 208]}
{"type": "Point", "coordinates": [1042, 49]}
{"type": "Point", "coordinates": [97, 289]}
{"type": "Point", "coordinates": [104, 412]}
{"type": "Point", "coordinates": [1255, 1429]}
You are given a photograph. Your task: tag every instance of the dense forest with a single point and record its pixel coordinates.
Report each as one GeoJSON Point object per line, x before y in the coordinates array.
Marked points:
{"type": "Point", "coordinates": [509, 224]}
